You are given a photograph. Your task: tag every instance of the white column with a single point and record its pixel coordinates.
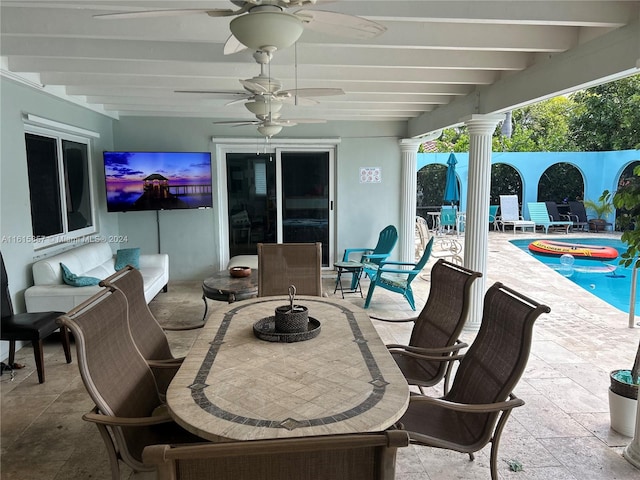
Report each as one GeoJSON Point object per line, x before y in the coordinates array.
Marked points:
{"type": "Point", "coordinates": [632, 452]}
{"type": "Point", "coordinates": [409, 178]}
{"type": "Point", "coordinates": [481, 128]}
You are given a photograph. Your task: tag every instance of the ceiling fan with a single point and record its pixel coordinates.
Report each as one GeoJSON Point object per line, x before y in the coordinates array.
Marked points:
{"type": "Point", "coordinates": [265, 25]}
{"type": "Point", "coordinates": [263, 90]}
{"type": "Point", "coordinates": [270, 125]}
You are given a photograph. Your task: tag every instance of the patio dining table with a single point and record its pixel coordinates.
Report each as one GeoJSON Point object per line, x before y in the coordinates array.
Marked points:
{"type": "Point", "coordinates": [234, 385]}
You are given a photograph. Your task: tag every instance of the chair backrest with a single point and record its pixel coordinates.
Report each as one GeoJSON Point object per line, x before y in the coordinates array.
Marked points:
{"type": "Point", "coordinates": [577, 209]}
{"type": "Point", "coordinates": [369, 456]}
{"type": "Point", "coordinates": [448, 215]}
{"type": "Point", "coordinates": [113, 370]}
{"type": "Point", "coordinates": [284, 264]}
{"type": "Point", "coordinates": [145, 329]}
{"type": "Point", "coordinates": [509, 208]}
{"type": "Point", "coordinates": [495, 361]}
{"type": "Point", "coordinates": [422, 236]}
{"type": "Point", "coordinates": [538, 213]}
{"type": "Point", "coordinates": [7, 306]}
{"type": "Point", "coordinates": [441, 320]}
{"type": "Point", "coordinates": [493, 213]}
{"type": "Point", "coordinates": [386, 241]}
{"type": "Point", "coordinates": [552, 209]}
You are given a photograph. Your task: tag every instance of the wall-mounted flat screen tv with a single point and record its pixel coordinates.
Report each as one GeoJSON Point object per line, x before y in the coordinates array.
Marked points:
{"type": "Point", "coordinates": [157, 180]}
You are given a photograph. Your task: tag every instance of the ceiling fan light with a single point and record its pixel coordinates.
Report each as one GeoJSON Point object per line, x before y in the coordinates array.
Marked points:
{"type": "Point", "coordinates": [258, 30]}
{"type": "Point", "coordinates": [269, 130]}
{"type": "Point", "coordinates": [263, 108]}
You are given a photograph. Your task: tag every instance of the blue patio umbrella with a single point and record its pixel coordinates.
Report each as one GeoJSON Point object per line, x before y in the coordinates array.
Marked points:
{"type": "Point", "coordinates": [451, 190]}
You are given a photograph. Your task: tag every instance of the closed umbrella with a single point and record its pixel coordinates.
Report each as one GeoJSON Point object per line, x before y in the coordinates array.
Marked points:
{"type": "Point", "coordinates": [451, 191]}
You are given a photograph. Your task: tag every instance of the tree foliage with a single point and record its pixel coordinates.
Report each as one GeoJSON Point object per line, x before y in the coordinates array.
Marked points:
{"type": "Point", "coordinates": [607, 117]}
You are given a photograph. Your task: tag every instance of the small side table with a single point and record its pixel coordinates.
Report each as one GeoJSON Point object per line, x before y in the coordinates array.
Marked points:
{"type": "Point", "coordinates": [224, 288]}
{"type": "Point", "coordinates": [355, 269]}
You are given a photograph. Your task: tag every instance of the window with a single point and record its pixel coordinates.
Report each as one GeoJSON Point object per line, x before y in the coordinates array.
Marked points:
{"type": "Point", "coordinates": [59, 185]}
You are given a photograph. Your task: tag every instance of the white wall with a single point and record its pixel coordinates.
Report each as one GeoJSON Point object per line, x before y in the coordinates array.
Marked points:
{"type": "Point", "coordinates": [15, 210]}
{"type": "Point", "coordinates": [362, 210]}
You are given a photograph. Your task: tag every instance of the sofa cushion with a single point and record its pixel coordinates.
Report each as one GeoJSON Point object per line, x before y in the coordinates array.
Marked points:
{"type": "Point", "coordinates": [74, 280]}
{"type": "Point", "coordinates": [127, 256]}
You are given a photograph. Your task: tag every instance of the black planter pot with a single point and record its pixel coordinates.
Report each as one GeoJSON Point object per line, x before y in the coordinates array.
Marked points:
{"type": "Point", "coordinates": [623, 389]}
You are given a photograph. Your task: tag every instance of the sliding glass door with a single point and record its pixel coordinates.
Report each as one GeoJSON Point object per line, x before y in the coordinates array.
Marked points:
{"type": "Point", "coordinates": [284, 196]}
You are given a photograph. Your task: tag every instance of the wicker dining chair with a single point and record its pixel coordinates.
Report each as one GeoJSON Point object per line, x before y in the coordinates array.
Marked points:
{"type": "Point", "coordinates": [434, 337]}
{"type": "Point", "coordinates": [367, 456]}
{"type": "Point", "coordinates": [474, 412]}
{"type": "Point", "coordinates": [283, 264]}
{"type": "Point", "coordinates": [128, 409]}
{"type": "Point", "coordinates": [147, 333]}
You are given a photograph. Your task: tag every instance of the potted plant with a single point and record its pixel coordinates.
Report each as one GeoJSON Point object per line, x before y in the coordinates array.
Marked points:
{"type": "Point", "coordinates": [623, 392]}
{"type": "Point", "coordinates": [602, 208]}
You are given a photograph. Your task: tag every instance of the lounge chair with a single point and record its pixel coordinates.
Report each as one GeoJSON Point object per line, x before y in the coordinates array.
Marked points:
{"type": "Point", "coordinates": [510, 214]}
{"type": "Point", "coordinates": [578, 215]}
{"type": "Point", "coordinates": [540, 215]}
{"type": "Point", "coordinates": [387, 239]}
{"type": "Point", "coordinates": [396, 276]}
{"type": "Point", "coordinates": [493, 216]}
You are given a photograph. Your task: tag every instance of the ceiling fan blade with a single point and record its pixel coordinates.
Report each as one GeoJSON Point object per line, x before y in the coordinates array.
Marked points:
{"type": "Point", "coordinates": [340, 24]}
{"type": "Point", "coordinates": [293, 100]}
{"type": "Point", "coordinates": [220, 12]}
{"type": "Point", "coordinates": [290, 122]}
{"type": "Point", "coordinates": [232, 45]}
{"type": "Point", "coordinates": [238, 123]}
{"type": "Point", "coordinates": [313, 92]}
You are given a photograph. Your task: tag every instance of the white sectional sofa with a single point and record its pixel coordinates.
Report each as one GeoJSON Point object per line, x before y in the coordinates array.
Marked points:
{"type": "Point", "coordinates": [49, 292]}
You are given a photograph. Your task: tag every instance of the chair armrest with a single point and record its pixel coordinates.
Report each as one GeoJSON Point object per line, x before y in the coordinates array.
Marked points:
{"type": "Point", "coordinates": [183, 328]}
{"type": "Point", "coordinates": [407, 264]}
{"type": "Point", "coordinates": [513, 402]}
{"type": "Point", "coordinates": [396, 270]}
{"type": "Point", "coordinates": [369, 256]}
{"type": "Point", "coordinates": [431, 358]}
{"type": "Point", "coordinates": [166, 363]}
{"type": "Point", "coordinates": [349, 251]}
{"type": "Point", "coordinates": [394, 320]}
{"type": "Point", "coordinates": [99, 418]}
{"type": "Point", "coordinates": [428, 351]}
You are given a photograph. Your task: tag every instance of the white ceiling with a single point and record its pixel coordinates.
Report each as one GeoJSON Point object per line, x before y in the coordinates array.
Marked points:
{"type": "Point", "coordinates": [437, 63]}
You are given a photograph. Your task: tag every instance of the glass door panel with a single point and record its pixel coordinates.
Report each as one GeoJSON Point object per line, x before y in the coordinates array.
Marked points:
{"type": "Point", "coordinates": [305, 199]}
{"type": "Point", "coordinates": [251, 197]}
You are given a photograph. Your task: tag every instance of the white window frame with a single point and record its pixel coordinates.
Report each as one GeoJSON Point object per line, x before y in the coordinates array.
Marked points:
{"type": "Point", "coordinates": [66, 236]}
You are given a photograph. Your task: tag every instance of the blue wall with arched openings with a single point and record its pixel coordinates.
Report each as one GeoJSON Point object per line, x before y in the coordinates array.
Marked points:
{"type": "Point", "coordinates": [600, 170]}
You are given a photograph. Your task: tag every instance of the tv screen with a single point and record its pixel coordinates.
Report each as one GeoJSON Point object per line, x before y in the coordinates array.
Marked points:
{"type": "Point", "coordinates": [157, 180]}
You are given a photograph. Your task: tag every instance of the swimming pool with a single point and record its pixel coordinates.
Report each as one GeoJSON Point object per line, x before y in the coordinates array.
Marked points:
{"type": "Point", "coordinates": [605, 279]}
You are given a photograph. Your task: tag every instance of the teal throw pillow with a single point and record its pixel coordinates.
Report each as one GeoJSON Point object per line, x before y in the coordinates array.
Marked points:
{"type": "Point", "coordinates": [75, 280]}
{"type": "Point", "coordinates": [127, 256]}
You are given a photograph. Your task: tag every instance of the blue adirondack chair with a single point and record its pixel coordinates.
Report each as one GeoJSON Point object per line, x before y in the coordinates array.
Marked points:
{"type": "Point", "coordinates": [540, 216]}
{"type": "Point", "coordinates": [493, 215]}
{"type": "Point", "coordinates": [373, 256]}
{"type": "Point", "coordinates": [397, 276]}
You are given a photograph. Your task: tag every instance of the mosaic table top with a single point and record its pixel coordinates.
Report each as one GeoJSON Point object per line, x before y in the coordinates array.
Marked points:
{"type": "Point", "coordinates": [233, 385]}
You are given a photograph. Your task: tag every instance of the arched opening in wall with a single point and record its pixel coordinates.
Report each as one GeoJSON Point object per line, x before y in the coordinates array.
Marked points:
{"type": "Point", "coordinates": [430, 190]}
{"type": "Point", "coordinates": [505, 180]}
{"type": "Point", "coordinates": [561, 183]}
{"type": "Point", "coordinates": [626, 177]}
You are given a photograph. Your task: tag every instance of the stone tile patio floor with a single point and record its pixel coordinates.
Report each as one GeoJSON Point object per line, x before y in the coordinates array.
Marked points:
{"type": "Point", "coordinates": [561, 433]}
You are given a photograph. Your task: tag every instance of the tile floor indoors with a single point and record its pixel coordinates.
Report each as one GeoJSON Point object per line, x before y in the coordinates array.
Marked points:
{"type": "Point", "coordinates": [561, 433]}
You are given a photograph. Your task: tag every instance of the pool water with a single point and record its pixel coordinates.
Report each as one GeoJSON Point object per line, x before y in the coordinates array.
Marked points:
{"type": "Point", "coordinates": [605, 279]}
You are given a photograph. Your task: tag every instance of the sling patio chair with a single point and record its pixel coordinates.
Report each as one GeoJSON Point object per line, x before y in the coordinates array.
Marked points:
{"type": "Point", "coordinates": [474, 412]}
{"type": "Point", "coordinates": [510, 214]}
{"type": "Point", "coordinates": [493, 217]}
{"type": "Point", "coordinates": [147, 333]}
{"type": "Point", "coordinates": [367, 456]}
{"type": "Point", "coordinates": [387, 239]}
{"type": "Point", "coordinates": [434, 337]}
{"type": "Point", "coordinates": [128, 412]}
{"type": "Point", "coordinates": [396, 276]}
{"type": "Point", "coordinates": [283, 264]}
{"type": "Point", "coordinates": [540, 216]}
